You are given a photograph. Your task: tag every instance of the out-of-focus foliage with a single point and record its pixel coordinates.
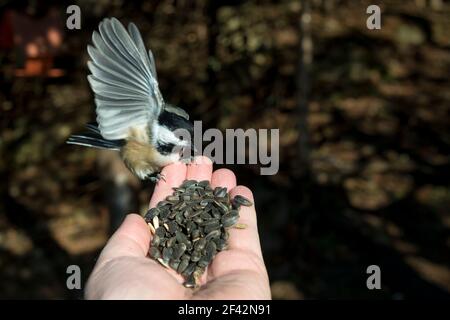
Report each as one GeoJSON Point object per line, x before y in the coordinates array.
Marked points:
{"type": "Point", "coordinates": [377, 189]}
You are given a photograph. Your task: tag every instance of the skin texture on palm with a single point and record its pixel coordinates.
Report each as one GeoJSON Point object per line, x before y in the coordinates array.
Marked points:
{"type": "Point", "coordinates": [123, 270]}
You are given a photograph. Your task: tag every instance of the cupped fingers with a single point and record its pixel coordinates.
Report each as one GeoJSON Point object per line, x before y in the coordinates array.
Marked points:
{"type": "Point", "coordinates": [200, 169]}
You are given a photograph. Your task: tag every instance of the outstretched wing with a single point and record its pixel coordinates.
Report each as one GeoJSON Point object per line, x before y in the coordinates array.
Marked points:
{"type": "Point", "coordinates": [123, 79]}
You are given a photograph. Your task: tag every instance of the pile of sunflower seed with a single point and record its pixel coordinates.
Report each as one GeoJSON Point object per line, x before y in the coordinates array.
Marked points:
{"type": "Point", "coordinates": [190, 227]}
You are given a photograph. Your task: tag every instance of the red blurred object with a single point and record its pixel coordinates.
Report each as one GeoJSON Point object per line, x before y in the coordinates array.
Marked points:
{"type": "Point", "coordinates": [36, 42]}
{"type": "Point", "coordinates": [6, 33]}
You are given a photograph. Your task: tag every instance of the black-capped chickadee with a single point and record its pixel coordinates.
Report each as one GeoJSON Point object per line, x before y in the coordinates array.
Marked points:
{"type": "Point", "coordinates": [132, 116]}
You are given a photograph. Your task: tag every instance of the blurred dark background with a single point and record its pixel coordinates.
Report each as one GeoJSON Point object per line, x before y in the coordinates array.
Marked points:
{"type": "Point", "coordinates": [364, 137]}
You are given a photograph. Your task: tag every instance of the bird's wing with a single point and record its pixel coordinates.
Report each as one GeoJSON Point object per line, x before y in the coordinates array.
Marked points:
{"type": "Point", "coordinates": [176, 110]}
{"type": "Point", "coordinates": [123, 78]}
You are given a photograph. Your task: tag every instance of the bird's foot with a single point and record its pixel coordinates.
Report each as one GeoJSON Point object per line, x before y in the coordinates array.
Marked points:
{"type": "Point", "coordinates": [156, 177]}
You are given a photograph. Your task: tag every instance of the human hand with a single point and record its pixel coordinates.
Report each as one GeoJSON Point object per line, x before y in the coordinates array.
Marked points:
{"type": "Point", "coordinates": [123, 270]}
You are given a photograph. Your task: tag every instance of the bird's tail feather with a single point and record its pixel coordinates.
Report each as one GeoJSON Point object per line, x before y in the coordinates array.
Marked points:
{"type": "Point", "coordinates": [94, 139]}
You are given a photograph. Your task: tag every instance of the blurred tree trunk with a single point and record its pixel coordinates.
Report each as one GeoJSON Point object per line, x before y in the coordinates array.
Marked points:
{"type": "Point", "coordinates": [210, 112]}
{"type": "Point", "coordinates": [213, 32]}
{"type": "Point", "coordinates": [119, 187]}
{"type": "Point", "coordinates": [303, 85]}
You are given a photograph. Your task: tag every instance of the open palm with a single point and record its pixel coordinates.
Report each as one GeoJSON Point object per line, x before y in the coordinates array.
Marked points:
{"type": "Point", "coordinates": [123, 270]}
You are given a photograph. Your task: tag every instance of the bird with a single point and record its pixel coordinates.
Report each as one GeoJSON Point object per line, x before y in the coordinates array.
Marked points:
{"type": "Point", "coordinates": [131, 114]}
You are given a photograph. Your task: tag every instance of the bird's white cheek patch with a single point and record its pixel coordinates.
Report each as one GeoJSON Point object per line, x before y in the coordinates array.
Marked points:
{"type": "Point", "coordinates": [167, 136]}
{"type": "Point", "coordinates": [164, 160]}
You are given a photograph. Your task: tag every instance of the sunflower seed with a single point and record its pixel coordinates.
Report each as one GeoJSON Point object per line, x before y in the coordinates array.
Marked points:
{"type": "Point", "coordinates": [170, 242]}
{"type": "Point", "coordinates": [225, 235]}
{"type": "Point", "coordinates": [221, 206]}
{"type": "Point", "coordinates": [160, 232]}
{"type": "Point", "coordinates": [151, 213]}
{"type": "Point", "coordinates": [208, 222]}
{"type": "Point", "coordinates": [221, 244]}
{"type": "Point", "coordinates": [155, 222]}
{"type": "Point", "coordinates": [190, 282]}
{"type": "Point", "coordinates": [163, 262]}
{"type": "Point", "coordinates": [216, 214]}
{"type": "Point", "coordinates": [242, 201]}
{"type": "Point", "coordinates": [182, 266]}
{"type": "Point", "coordinates": [186, 257]}
{"type": "Point", "coordinates": [172, 227]}
{"type": "Point", "coordinates": [167, 254]}
{"type": "Point", "coordinates": [213, 234]}
{"type": "Point", "coordinates": [163, 213]}
{"type": "Point", "coordinates": [162, 204]}
{"type": "Point", "coordinates": [156, 240]}
{"type": "Point", "coordinates": [212, 227]}
{"type": "Point", "coordinates": [178, 251]}
{"type": "Point", "coordinates": [181, 237]}
{"type": "Point", "coordinates": [229, 219]}
{"type": "Point", "coordinates": [211, 248]}
{"type": "Point", "coordinates": [198, 273]}
{"type": "Point", "coordinates": [200, 244]}
{"type": "Point", "coordinates": [188, 183]}
{"type": "Point", "coordinates": [154, 253]}
{"type": "Point", "coordinates": [174, 264]}
{"type": "Point", "coordinates": [204, 261]}
{"type": "Point", "coordinates": [198, 219]}
{"type": "Point", "coordinates": [190, 268]}
{"type": "Point", "coordinates": [204, 183]}
{"type": "Point", "coordinates": [190, 226]}
{"type": "Point", "coordinates": [179, 217]}
{"type": "Point", "coordinates": [195, 234]}
{"type": "Point", "coordinates": [173, 199]}
{"type": "Point", "coordinates": [195, 256]}
{"type": "Point", "coordinates": [191, 213]}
